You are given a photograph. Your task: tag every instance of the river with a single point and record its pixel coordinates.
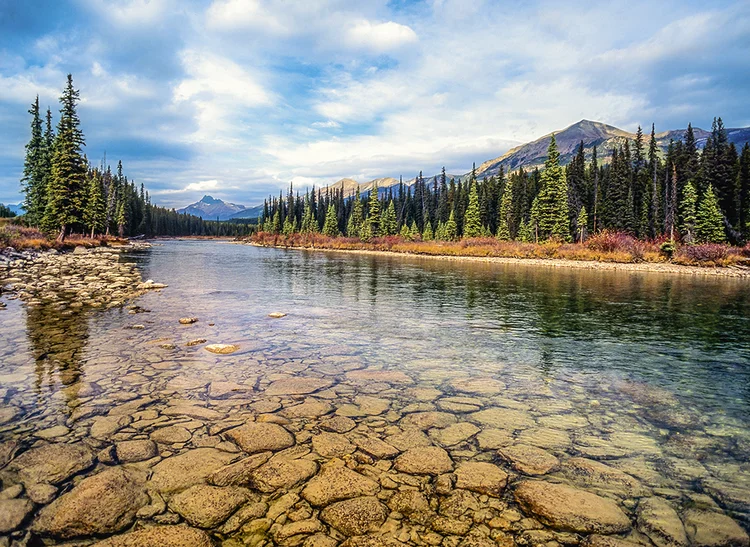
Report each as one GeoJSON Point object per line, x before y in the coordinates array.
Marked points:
{"type": "Point", "coordinates": [628, 386]}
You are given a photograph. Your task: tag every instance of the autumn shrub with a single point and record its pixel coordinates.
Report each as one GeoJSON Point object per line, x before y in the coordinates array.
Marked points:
{"type": "Point", "coordinates": [608, 241]}
{"type": "Point", "coordinates": [706, 252]}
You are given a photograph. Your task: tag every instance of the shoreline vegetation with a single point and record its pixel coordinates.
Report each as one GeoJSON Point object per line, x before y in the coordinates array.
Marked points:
{"type": "Point", "coordinates": [606, 251]}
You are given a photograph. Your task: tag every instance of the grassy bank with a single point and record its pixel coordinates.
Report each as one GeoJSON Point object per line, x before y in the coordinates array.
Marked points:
{"type": "Point", "coordinates": [604, 247]}
{"type": "Point", "coordinates": [22, 238]}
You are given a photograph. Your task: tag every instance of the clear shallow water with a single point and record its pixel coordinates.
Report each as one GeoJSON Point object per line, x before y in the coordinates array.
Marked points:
{"type": "Point", "coordinates": [596, 355]}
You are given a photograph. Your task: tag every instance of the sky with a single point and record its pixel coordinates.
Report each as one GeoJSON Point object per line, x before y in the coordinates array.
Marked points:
{"type": "Point", "coordinates": [238, 98]}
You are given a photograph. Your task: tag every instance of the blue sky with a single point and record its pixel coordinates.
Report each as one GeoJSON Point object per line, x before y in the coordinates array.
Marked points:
{"type": "Point", "coordinates": [236, 98]}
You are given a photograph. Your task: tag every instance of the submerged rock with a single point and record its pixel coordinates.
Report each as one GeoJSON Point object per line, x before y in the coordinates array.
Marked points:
{"type": "Point", "coordinates": [709, 529]}
{"type": "Point", "coordinates": [660, 522]}
{"type": "Point", "coordinates": [12, 513]}
{"type": "Point", "coordinates": [222, 349]}
{"type": "Point", "coordinates": [332, 445]}
{"type": "Point", "coordinates": [528, 459]}
{"type": "Point", "coordinates": [356, 516]}
{"type": "Point", "coordinates": [187, 469]}
{"type": "Point", "coordinates": [208, 506]}
{"type": "Point", "coordinates": [282, 473]}
{"type": "Point", "coordinates": [297, 386]}
{"type": "Point", "coordinates": [335, 483]}
{"type": "Point", "coordinates": [481, 477]}
{"type": "Point", "coordinates": [429, 460]}
{"type": "Point", "coordinates": [276, 315]}
{"type": "Point", "coordinates": [101, 504]}
{"type": "Point", "coordinates": [260, 437]}
{"type": "Point", "coordinates": [52, 463]}
{"type": "Point", "coordinates": [163, 536]}
{"type": "Point", "coordinates": [566, 508]}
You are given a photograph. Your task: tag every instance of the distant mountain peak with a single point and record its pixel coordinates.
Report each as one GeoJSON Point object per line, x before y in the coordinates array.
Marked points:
{"type": "Point", "coordinates": [211, 208]}
{"type": "Point", "coordinates": [210, 200]}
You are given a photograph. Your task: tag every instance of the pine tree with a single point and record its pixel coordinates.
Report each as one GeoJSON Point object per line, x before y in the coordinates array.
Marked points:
{"type": "Point", "coordinates": [388, 222]}
{"type": "Point", "coordinates": [428, 235]}
{"type": "Point", "coordinates": [373, 213]}
{"type": "Point", "coordinates": [525, 233]}
{"type": "Point", "coordinates": [331, 227]}
{"type": "Point", "coordinates": [94, 215]}
{"type": "Point", "coordinates": [121, 217]}
{"type": "Point", "coordinates": [66, 191]}
{"type": "Point", "coordinates": [709, 223]}
{"type": "Point", "coordinates": [355, 217]}
{"type": "Point", "coordinates": [33, 181]}
{"type": "Point", "coordinates": [505, 214]}
{"type": "Point", "coordinates": [414, 230]}
{"type": "Point", "coordinates": [276, 221]}
{"type": "Point", "coordinates": [553, 197]}
{"type": "Point", "coordinates": [743, 191]}
{"type": "Point", "coordinates": [472, 219]}
{"type": "Point", "coordinates": [450, 230]}
{"type": "Point", "coordinates": [582, 224]}
{"type": "Point", "coordinates": [290, 226]}
{"type": "Point", "coordinates": [688, 212]}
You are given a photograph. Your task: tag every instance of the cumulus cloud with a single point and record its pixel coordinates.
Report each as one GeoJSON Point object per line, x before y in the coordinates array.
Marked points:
{"type": "Point", "coordinates": [379, 37]}
{"type": "Point", "coordinates": [243, 14]}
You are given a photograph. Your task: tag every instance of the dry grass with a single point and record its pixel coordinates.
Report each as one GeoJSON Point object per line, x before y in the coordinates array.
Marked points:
{"type": "Point", "coordinates": [23, 238]}
{"type": "Point", "coordinates": [604, 247]}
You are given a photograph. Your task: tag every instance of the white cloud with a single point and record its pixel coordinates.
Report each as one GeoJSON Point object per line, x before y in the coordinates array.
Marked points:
{"type": "Point", "coordinates": [329, 124]}
{"type": "Point", "coordinates": [132, 12]}
{"type": "Point", "coordinates": [379, 37]}
{"type": "Point", "coordinates": [242, 14]}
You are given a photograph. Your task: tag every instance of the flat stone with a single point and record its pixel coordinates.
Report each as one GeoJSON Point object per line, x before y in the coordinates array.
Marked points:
{"type": "Point", "coordinates": [282, 473]}
{"type": "Point", "coordinates": [570, 509]}
{"type": "Point", "coordinates": [458, 504]}
{"type": "Point", "coordinates": [734, 496]}
{"type": "Point", "coordinates": [248, 512]}
{"type": "Point", "coordinates": [190, 468]}
{"type": "Point", "coordinates": [450, 526]}
{"type": "Point", "coordinates": [454, 433]}
{"type": "Point", "coordinates": [238, 473]}
{"type": "Point", "coordinates": [225, 390]}
{"type": "Point", "coordinates": [408, 438]}
{"type": "Point", "coordinates": [412, 504]}
{"type": "Point", "coordinates": [222, 349]}
{"type": "Point", "coordinates": [53, 432]}
{"type": "Point", "coordinates": [301, 527]}
{"type": "Point", "coordinates": [356, 516]}
{"type": "Point", "coordinates": [427, 420]}
{"type": "Point", "coordinates": [528, 459]}
{"type": "Point", "coordinates": [478, 386]}
{"type": "Point", "coordinates": [481, 477]}
{"type": "Point", "coordinates": [207, 506]}
{"type": "Point", "coordinates": [276, 315]}
{"type": "Point", "coordinates": [171, 434]}
{"type": "Point", "coordinates": [430, 460]}
{"type": "Point", "coordinates": [136, 450]}
{"type": "Point", "coordinates": [260, 437]}
{"type": "Point", "coordinates": [502, 418]}
{"type": "Point", "coordinates": [544, 437]}
{"type": "Point", "coordinates": [311, 408]}
{"type": "Point", "coordinates": [13, 512]}
{"type": "Point", "coordinates": [41, 493]}
{"type": "Point", "coordinates": [591, 473]}
{"type": "Point", "coordinates": [492, 439]}
{"type": "Point", "coordinates": [332, 445]}
{"type": "Point", "coordinates": [297, 386]}
{"type": "Point", "coordinates": [52, 463]}
{"type": "Point", "coordinates": [193, 411]}
{"type": "Point", "coordinates": [338, 424]}
{"type": "Point", "coordinates": [196, 342]}
{"type": "Point", "coordinates": [661, 523]}
{"type": "Point", "coordinates": [709, 529]}
{"type": "Point", "coordinates": [387, 376]}
{"type": "Point", "coordinates": [375, 447]}
{"type": "Point", "coordinates": [100, 504]}
{"type": "Point", "coordinates": [188, 320]}
{"type": "Point", "coordinates": [161, 536]}
{"type": "Point", "coordinates": [335, 483]}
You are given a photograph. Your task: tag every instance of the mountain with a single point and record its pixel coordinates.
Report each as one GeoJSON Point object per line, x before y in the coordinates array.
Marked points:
{"type": "Point", "coordinates": [17, 209]}
{"type": "Point", "coordinates": [248, 214]}
{"type": "Point", "coordinates": [210, 208]}
{"type": "Point", "coordinates": [604, 137]}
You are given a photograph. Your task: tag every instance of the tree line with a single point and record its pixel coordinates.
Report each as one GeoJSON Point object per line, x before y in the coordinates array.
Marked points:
{"type": "Point", "coordinates": [684, 194]}
{"type": "Point", "coordinates": [65, 193]}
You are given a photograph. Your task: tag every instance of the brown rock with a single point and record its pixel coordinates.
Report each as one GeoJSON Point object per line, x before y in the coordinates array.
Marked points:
{"type": "Point", "coordinates": [528, 459]}
{"type": "Point", "coordinates": [660, 522]}
{"type": "Point", "coordinates": [356, 516]}
{"type": "Point", "coordinates": [52, 463]}
{"type": "Point", "coordinates": [260, 437]}
{"type": "Point", "coordinates": [709, 529]}
{"type": "Point", "coordinates": [207, 506]}
{"type": "Point", "coordinates": [187, 469]}
{"type": "Point", "coordinates": [335, 483]}
{"type": "Point", "coordinates": [282, 473]}
{"type": "Point", "coordinates": [481, 477]}
{"type": "Point", "coordinates": [161, 536]}
{"type": "Point", "coordinates": [297, 386]}
{"type": "Point", "coordinates": [136, 451]}
{"type": "Point", "coordinates": [566, 508]}
{"type": "Point", "coordinates": [429, 460]}
{"type": "Point", "coordinates": [12, 513]}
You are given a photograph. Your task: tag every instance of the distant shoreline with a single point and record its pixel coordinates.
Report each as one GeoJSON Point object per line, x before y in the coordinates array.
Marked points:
{"type": "Point", "coordinates": [595, 265]}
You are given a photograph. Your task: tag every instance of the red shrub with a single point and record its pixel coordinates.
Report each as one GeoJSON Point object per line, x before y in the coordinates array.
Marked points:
{"type": "Point", "coordinates": [706, 252]}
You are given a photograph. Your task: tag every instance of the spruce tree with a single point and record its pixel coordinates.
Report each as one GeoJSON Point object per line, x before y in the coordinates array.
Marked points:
{"type": "Point", "coordinates": [121, 217]}
{"type": "Point", "coordinates": [373, 213]}
{"type": "Point", "coordinates": [472, 218]}
{"type": "Point", "coordinates": [709, 223]}
{"type": "Point", "coordinates": [413, 230]}
{"type": "Point", "coordinates": [33, 181]}
{"type": "Point", "coordinates": [354, 224]}
{"type": "Point", "coordinates": [331, 227]}
{"type": "Point", "coordinates": [688, 211]}
{"type": "Point", "coordinates": [388, 222]}
{"type": "Point", "coordinates": [506, 212]}
{"type": "Point", "coordinates": [450, 231]}
{"type": "Point", "coordinates": [428, 234]}
{"type": "Point", "coordinates": [94, 215]}
{"type": "Point", "coordinates": [743, 191]}
{"type": "Point", "coordinates": [66, 191]}
{"type": "Point", "coordinates": [553, 197]}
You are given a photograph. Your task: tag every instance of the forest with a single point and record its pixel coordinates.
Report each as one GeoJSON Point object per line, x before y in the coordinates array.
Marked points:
{"type": "Point", "coordinates": [65, 193]}
{"type": "Point", "coordinates": [684, 195]}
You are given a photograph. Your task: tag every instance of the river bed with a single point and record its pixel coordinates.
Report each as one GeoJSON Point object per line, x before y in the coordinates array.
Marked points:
{"type": "Point", "coordinates": [399, 401]}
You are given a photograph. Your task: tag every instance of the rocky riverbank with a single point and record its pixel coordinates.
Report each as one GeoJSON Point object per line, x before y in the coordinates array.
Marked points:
{"type": "Point", "coordinates": [93, 278]}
